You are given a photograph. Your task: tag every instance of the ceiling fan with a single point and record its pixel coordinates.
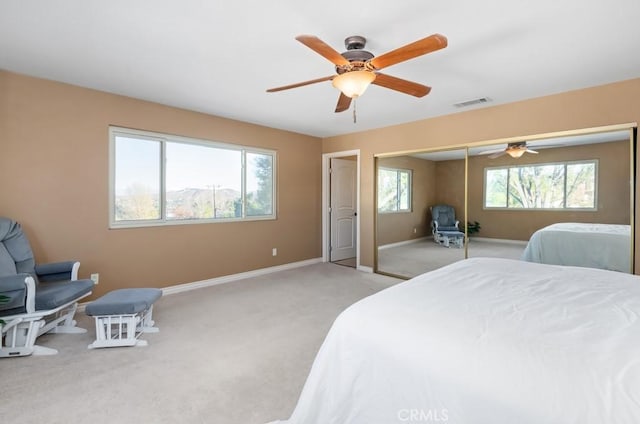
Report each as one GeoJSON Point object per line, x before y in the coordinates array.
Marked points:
{"type": "Point", "coordinates": [515, 150]}
{"type": "Point", "coordinates": [357, 68]}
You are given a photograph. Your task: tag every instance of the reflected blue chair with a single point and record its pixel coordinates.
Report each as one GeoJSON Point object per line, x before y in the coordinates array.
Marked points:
{"type": "Point", "coordinates": [445, 226]}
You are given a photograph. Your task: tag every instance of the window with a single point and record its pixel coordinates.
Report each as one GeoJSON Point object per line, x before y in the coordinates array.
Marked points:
{"type": "Point", "coordinates": [566, 185]}
{"type": "Point", "coordinates": [394, 190]}
{"type": "Point", "coordinates": [161, 179]}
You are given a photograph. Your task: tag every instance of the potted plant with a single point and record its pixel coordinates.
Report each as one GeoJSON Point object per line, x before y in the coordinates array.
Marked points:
{"type": "Point", "coordinates": [473, 227]}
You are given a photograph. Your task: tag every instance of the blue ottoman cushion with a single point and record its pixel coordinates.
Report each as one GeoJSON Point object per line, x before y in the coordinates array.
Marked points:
{"type": "Point", "coordinates": [124, 301]}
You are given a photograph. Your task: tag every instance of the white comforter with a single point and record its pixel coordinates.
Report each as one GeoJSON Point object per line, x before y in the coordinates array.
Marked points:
{"type": "Point", "coordinates": [484, 340]}
{"type": "Point", "coordinates": [604, 246]}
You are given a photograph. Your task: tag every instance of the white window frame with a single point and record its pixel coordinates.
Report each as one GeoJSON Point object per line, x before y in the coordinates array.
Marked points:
{"type": "Point", "coordinates": [170, 138]}
{"type": "Point", "coordinates": [409, 192]}
{"type": "Point", "coordinates": [565, 164]}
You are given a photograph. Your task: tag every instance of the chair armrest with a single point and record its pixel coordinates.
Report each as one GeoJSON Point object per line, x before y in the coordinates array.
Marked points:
{"type": "Point", "coordinates": [57, 271]}
{"type": "Point", "coordinates": [457, 223]}
{"type": "Point", "coordinates": [20, 289]}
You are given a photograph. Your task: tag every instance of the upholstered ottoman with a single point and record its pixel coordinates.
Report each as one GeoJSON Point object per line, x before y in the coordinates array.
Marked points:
{"type": "Point", "coordinates": [448, 238]}
{"type": "Point", "coordinates": [122, 316]}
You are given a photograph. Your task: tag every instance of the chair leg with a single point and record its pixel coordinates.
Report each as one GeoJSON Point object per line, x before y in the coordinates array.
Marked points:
{"type": "Point", "coordinates": [43, 351]}
{"type": "Point", "coordinates": [123, 330]}
{"type": "Point", "coordinates": [116, 330]}
{"type": "Point", "coordinates": [147, 323]}
{"type": "Point", "coordinates": [20, 334]}
{"type": "Point", "coordinates": [64, 323]}
{"type": "Point", "coordinates": [19, 338]}
{"type": "Point", "coordinates": [10, 339]}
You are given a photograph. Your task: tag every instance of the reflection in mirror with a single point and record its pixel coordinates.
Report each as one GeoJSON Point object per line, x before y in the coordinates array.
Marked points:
{"type": "Point", "coordinates": [409, 189]}
{"type": "Point", "coordinates": [562, 201]}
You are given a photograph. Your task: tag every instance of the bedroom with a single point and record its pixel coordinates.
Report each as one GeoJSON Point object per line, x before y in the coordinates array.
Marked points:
{"type": "Point", "coordinates": [55, 163]}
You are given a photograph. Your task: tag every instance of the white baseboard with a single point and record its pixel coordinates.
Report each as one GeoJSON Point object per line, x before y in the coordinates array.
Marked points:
{"type": "Point", "coordinates": [234, 277]}
{"type": "Point", "coordinates": [402, 243]}
{"type": "Point", "coordinates": [179, 288]}
{"type": "Point", "coordinates": [495, 240]}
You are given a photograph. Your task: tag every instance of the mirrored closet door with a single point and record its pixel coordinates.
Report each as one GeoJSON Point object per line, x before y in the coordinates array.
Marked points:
{"type": "Point", "coordinates": [560, 200]}
{"type": "Point", "coordinates": [420, 219]}
{"type": "Point", "coordinates": [565, 199]}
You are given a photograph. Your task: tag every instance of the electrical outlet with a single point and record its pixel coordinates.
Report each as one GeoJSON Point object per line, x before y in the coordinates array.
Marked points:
{"type": "Point", "coordinates": [274, 251]}
{"type": "Point", "coordinates": [415, 231]}
{"type": "Point", "coordinates": [95, 278]}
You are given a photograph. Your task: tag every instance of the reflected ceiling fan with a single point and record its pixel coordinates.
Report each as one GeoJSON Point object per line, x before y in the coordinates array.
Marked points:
{"type": "Point", "coordinates": [357, 68]}
{"type": "Point", "coordinates": [515, 150]}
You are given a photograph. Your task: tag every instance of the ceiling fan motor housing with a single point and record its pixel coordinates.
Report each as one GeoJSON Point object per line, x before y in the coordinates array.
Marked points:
{"type": "Point", "coordinates": [355, 42]}
{"type": "Point", "coordinates": [355, 54]}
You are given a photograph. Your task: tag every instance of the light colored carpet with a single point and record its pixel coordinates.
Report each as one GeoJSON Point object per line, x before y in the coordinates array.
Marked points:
{"type": "Point", "coordinates": [233, 353]}
{"type": "Point", "coordinates": [346, 262]}
{"type": "Point", "coordinates": [487, 248]}
{"type": "Point", "coordinates": [424, 255]}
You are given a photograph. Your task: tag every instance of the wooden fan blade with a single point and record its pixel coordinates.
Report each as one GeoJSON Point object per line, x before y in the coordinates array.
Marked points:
{"type": "Point", "coordinates": [418, 48]}
{"type": "Point", "coordinates": [300, 84]}
{"type": "Point", "coordinates": [343, 103]}
{"type": "Point", "coordinates": [497, 155]}
{"type": "Point", "coordinates": [403, 86]}
{"type": "Point", "coordinates": [489, 152]}
{"type": "Point", "coordinates": [323, 49]}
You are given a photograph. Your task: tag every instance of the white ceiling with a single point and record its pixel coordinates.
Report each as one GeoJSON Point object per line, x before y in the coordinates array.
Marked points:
{"type": "Point", "coordinates": [219, 57]}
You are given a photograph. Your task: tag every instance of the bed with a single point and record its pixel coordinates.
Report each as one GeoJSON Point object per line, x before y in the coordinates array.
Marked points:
{"type": "Point", "coordinates": [484, 340]}
{"type": "Point", "coordinates": [603, 246]}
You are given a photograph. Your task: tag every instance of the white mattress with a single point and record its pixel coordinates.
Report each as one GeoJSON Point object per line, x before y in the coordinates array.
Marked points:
{"type": "Point", "coordinates": [484, 340]}
{"type": "Point", "coordinates": [603, 246]}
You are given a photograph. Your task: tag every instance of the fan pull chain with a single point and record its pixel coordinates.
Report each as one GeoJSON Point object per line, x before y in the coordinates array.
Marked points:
{"type": "Point", "coordinates": [354, 110]}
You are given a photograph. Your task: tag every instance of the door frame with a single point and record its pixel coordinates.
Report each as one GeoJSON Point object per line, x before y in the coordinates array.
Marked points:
{"type": "Point", "coordinates": [326, 197]}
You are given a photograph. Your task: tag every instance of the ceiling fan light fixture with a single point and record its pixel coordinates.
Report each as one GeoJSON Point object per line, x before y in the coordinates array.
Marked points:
{"type": "Point", "coordinates": [354, 83]}
{"type": "Point", "coordinates": [516, 152]}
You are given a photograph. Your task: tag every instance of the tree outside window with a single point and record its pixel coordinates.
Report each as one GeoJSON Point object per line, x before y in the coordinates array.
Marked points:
{"type": "Point", "coordinates": [394, 190]}
{"type": "Point", "coordinates": [568, 185]}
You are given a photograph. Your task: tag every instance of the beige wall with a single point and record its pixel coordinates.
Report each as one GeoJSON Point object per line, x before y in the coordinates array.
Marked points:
{"type": "Point", "coordinates": [598, 106]}
{"type": "Point", "coordinates": [450, 186]}
{"type": "Point", "coordinates": [54, 180]}
{"type": "Point", "coordinates": [396, 227]}
{"type": "Point", "coordinates": [613, 191]}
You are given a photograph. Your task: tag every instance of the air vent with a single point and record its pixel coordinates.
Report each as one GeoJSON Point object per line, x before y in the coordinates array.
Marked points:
{"type": "Point", "coordinates": [473, 102]}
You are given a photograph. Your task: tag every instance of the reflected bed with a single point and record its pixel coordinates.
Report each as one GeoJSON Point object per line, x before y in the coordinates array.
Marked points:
{"type": "Point", "coordinates": [603, 246]}
{"type": "Point", "coordinates": [483, 340]}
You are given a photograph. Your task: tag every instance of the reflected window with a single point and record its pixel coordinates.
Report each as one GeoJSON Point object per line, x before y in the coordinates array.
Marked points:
{"type": "Point", "coordinates": [565, 185]}
{"type": "Point", "coordinates": [394, 190]}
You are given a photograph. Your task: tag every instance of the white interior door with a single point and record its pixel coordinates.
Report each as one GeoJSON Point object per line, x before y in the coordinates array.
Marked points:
{"type": "Point", "coordinates": [343, 180]}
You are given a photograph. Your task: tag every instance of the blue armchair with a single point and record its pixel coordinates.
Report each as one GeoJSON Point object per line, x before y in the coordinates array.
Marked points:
{"type": "Point", "coordinates": [445, 226]}
{"type": "Point", "coordinates": [38, 299]}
